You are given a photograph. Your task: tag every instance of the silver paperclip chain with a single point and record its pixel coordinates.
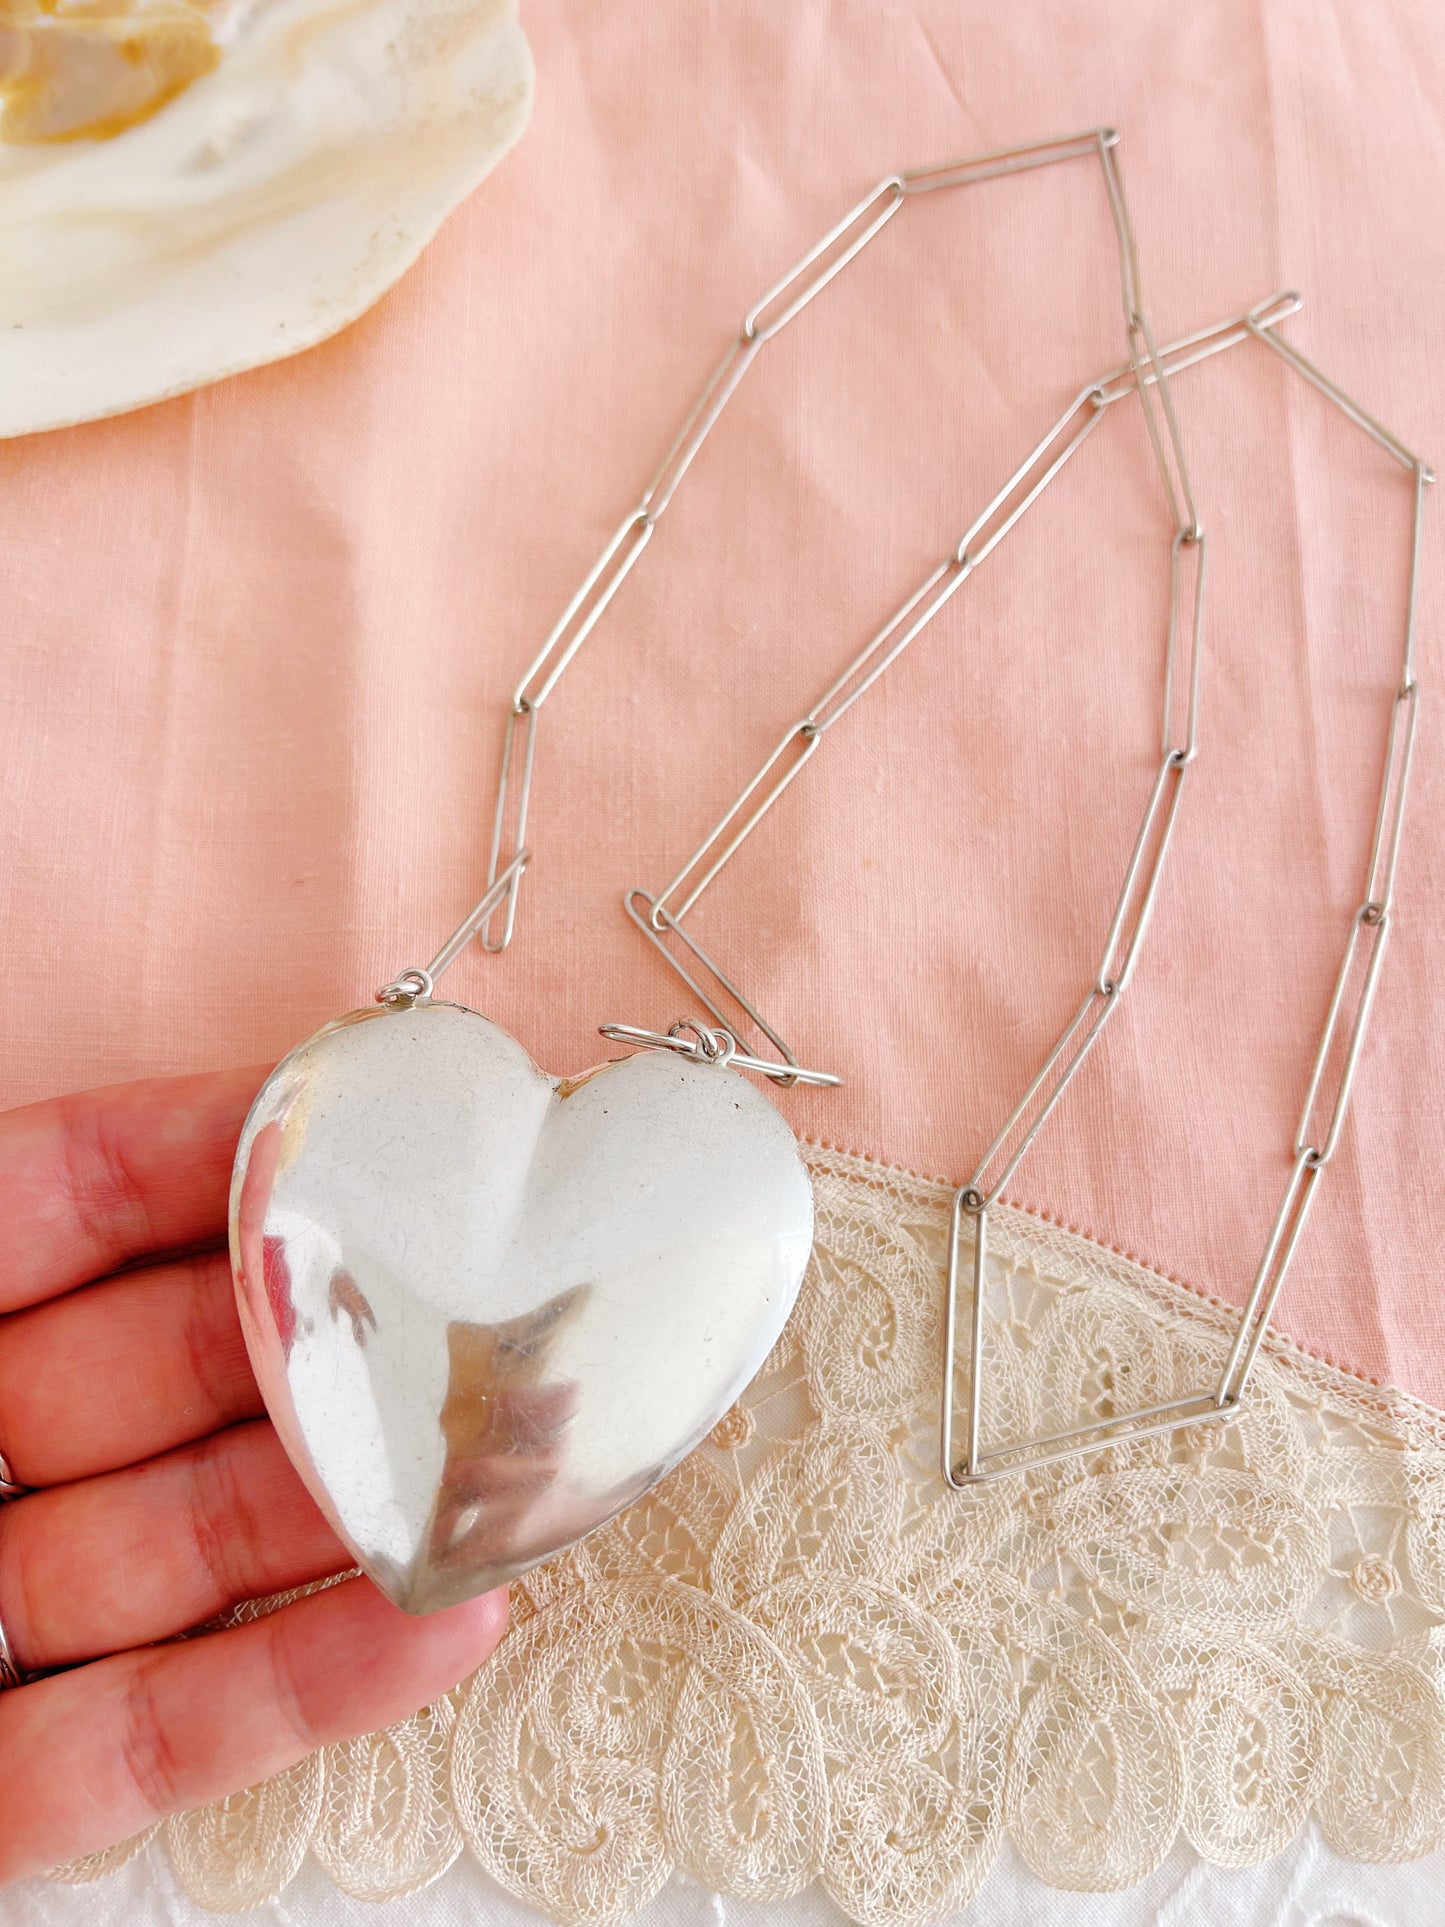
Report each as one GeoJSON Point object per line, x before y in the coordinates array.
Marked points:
{"type": "Point", "coordinates": [416, 986]}
{"type": "Point", "coordinates": [1326, 1097]}
{"type": "Point", "coordinates": [1146, 376]}
{"type": "Point", "coordinates": [782, 303]}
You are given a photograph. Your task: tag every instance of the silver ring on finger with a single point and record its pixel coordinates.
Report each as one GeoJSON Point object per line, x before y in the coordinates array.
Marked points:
{"type": "Point", "coordinates": [10, 1486]}
{"type": "Point", "coordinates": [10, 1673]}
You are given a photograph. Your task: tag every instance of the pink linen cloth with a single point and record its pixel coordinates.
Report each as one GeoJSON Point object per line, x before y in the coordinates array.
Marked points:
{"type": "Point", "coordinates": [260, 639]}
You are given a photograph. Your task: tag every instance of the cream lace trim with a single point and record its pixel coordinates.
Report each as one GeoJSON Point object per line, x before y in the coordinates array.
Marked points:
{"type": "Point", "coordinates": [802, 1659]}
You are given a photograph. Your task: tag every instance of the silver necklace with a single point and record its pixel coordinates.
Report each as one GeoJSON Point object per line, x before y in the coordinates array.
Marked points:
{"type": "Point", "coordinates": [489, 1308]}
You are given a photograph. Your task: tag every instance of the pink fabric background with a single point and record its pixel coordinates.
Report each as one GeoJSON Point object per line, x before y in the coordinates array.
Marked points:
{"type": "Point", "coordinates": [260, 639]}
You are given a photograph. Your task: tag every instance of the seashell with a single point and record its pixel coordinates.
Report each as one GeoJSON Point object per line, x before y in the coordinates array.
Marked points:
{"type": "Point", "coordinates": [190, 188]}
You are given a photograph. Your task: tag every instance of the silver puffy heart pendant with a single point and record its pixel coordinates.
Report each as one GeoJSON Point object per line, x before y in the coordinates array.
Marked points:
{"type": "Point", "coordinates": [488, 1308]}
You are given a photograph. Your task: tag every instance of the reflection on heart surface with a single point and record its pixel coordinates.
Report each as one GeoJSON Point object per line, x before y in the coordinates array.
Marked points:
{"type": "Point", "coordinates": [488, 1308]}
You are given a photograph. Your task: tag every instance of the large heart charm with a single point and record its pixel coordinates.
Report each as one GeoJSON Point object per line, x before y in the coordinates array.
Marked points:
{"type": "Point", "coordinates": [487, 1308]}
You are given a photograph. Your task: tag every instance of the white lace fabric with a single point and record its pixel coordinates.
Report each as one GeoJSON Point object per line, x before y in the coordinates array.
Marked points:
{"type": "Point", "coordinates": [803, 1659]}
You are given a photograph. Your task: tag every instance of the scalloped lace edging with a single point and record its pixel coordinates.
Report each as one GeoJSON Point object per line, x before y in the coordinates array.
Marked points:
{"type": "Point", "coordinates": [803, 1659]}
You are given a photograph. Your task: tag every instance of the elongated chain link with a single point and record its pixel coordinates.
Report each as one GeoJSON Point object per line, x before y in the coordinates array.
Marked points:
{"type": "Point", "coordinates": [1146, 376]}
{"type": "Point", "coordinates": [782, 303]}
{"type": "Point", "coordinates": [1331, 1078]}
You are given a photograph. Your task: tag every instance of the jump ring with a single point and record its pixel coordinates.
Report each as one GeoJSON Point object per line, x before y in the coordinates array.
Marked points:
{"type": "Point", "coordinates": [713, 1046]}
{"type": "Point", "coordinates": [413, 986]}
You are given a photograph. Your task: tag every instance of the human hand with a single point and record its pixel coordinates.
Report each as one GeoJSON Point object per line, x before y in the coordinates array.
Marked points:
{"type": "Point", "coordinates": [163, 1496]}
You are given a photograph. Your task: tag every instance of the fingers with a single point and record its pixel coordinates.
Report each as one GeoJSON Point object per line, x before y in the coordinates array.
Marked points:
{"type": "Point", "coordinates": [91, 1757]}
{"type": "Point", "coordinates": [119, 1371]}
{"type": "Point", "coordinates": [114, 1562]}
{"type": "Point", "coordinates": [90, 1182]}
